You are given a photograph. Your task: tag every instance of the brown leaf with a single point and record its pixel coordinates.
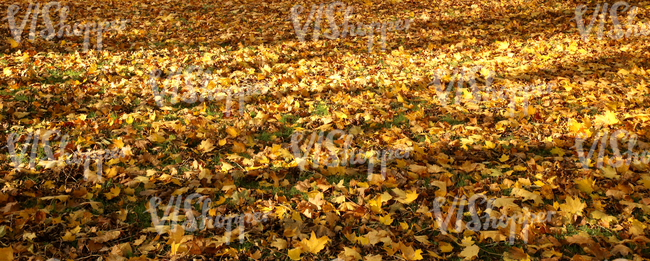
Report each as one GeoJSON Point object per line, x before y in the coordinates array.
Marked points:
{"type": "Point", "coordinates": [106, 236]}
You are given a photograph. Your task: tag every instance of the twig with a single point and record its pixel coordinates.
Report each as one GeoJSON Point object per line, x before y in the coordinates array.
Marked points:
{"type": "Point", "coordinates": [489, 252]}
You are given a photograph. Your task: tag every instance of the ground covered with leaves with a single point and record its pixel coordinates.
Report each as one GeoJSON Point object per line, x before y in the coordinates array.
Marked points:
{"type": "Point", "coordinates": [244, 162]}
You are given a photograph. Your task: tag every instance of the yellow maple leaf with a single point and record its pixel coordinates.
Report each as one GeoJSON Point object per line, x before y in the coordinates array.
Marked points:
{"type": "Point", "coordinates": [106, 236]}
{"type": "Point", "coordinates": [409, 197]}
{"type": "Point", "coordinates": [573, 206]}
{"type": "Point", "coordinates": [280, 244]}
{"type": "Point", "coordinates": [373, 258]}
{"type": "Point", "coordinates": [375, 204]}
{"type": "Point", "coordinates": [609, 118]}
{"type": "Point", "coordinates": [470, 252]}
{"type": "Point", "coordinates": [206, 146]}
{"type": "Point", "coordinates": [176, 235]}
{"type": "Point", "coordinates": [503, 45]}
{"type": "Point", "coordinates": [341, 115]}
{"type": "Point", "coordinates": [351, 252]}
{"type": "Point", "coordinates": [68, 237]}
{"type": "Point", "coordinates": [467, 241]}
{"type": "Point", "coordinates": [519, 168]}
{"type": "Point", "coordinates": [114, 193]}
{"type": "Point", "coordinates": [610, 173]}
{"type": "Point", "coordinates": [226, 167]}
{"type": "Point", "coordinates": [504, 158]}
{"type": "Point", "coordinates": [12, 42]}
{"type": "Point", "coordinates": [294, 254]}
{"type": "Point", "coordinates": [314, 245]}
{"type": "Point", "coordinates": [446, 247]}
{"type": "Point", "coordinates": [520, 192]}
{"type": "Point", "coordinates": [155, 137]}
{"type": "Point", "coordinates": [118, 143]}
{"type": "Point", "coordinates": [6, 254]}
{"type": "Point", "coordinates": [386, 220]}
{"type": "Point", "coordinates": [232, 131]}
{"type": "Point", "coordinates": [596, 214]}
{"type": "Point", "coordinates": [442, 188]}
{"type": "Point", "coordinates": [238, 147]}
{"type": "Point", "coordinates": [585, 185]}
{"type": "Point", "coordinates": [409, 254]}
{"type": "Point", "coordinates": [558, 151]}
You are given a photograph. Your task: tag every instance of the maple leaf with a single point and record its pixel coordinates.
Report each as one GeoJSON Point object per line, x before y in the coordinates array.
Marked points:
{"type": "Point", "coordinates": [107, 236]}
{"type": "Point", "coordinates": [446, 247]}
{"type": "Point", "coordinates": [610, 173]}
{"type": "Point", "coordinates": [373, 258]}
{"type": "Point", "coordinates": [6, 253]}
{"type": "Point", "coordinates": [232, 132]}
{"type": "Point", "coordinates": [314, 245]}
{"type": "Point", "coordinates": [516, 253]}
{"type": "Point", "coordinates": [580, 239]}
{"type": "Point", "coordinates": [279, 243]}
{"type": "Point", "coordinates": [573, 206]}
{"type": "Point", "coordinates": [351, 252]}
{"type": "Point", "coordinates": [68, 236]}
{"type": "Point", "coordinates": [410, 254]}
{"type": "Point", "coordinates": [206, 146]}
{"type": "Point", "coordinates": [585, 185]}
{"type": "Point", "coordinates": [114, 193]}
{"type": "Point", "coordinates": [597, 214]}
{"type": "Point", "coordinates": [470, 252]}
{"type": "Point", "coordinates": [558, 151]}
{"type": "Point", "coordinates": [608, 118]}
{"type": "Point", "coordinates": [527, 195]}
{"type": "Point", "coordinates": [12, 42]}
{"type": "Point", "coordinates": [621, 250]}
{"type": "Point", "coordinates": [294, 254]}
{"type": "Point", "coordinates": [409, 197]}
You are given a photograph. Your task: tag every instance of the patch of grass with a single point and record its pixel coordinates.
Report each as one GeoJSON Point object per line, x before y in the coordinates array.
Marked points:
{"type": "Point", "coordinates": [265, 136]}
{"type": "Point", "coordinates": [539, 151]}
{"type": "Point", "coordinates": [335, 179]}
{"type": "Point", "coordinates": [170, 117]}
{"type": "Point", "coordinates": [138, 215]}
{"type": "Point", "coordinates": [243, 247]}
{"type": "Point", "coordinates": [29, 203]}
{"type": "Point", "coordinates": [285, 133]}
{"type": "Point", "coordinates": [321, 110]}
{"type": "Point", "coordinates": [293, 192]}
{"type": "Point", "coordinates": [599, 232]}
{"type": "Point", "coordinates": [288, 119]}
{"type": "Point", "coordinates": [461, 179]}
{"type": "Point", "coordinates": [21, 97]}
{"type": "Point", "coordinates": [451, 120]}
{"type": "Point", "coordinates": [397, 121]}
{"type": "Point", "coordinates": [59, 76]}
